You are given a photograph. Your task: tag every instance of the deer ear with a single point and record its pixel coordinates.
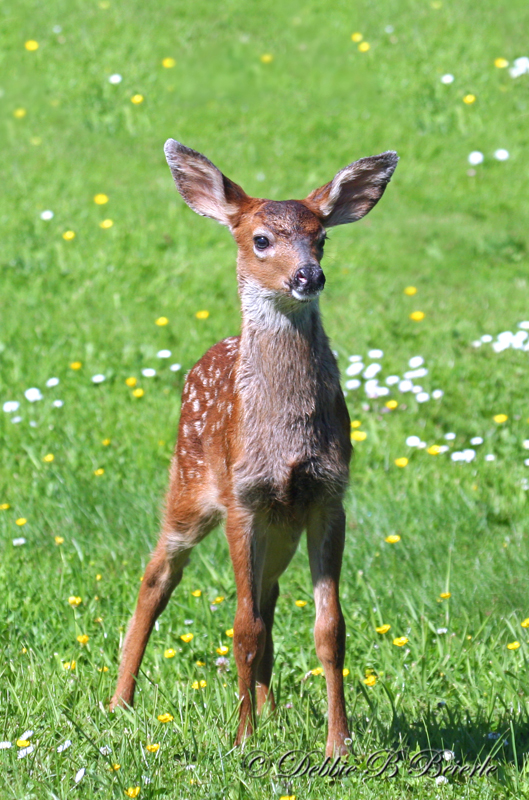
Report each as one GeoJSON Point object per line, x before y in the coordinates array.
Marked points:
{"type": "Point", "coordinates": [204, 188]}
{"type": "Point", "coordinates": [354, 191]}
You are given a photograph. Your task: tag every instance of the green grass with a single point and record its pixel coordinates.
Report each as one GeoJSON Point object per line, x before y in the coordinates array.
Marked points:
{"type": "Point", "coordinates": [279, 129]}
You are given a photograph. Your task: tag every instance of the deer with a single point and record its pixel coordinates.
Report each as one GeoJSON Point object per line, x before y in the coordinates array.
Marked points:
{"type": "Point", "coordinates": [264, 439]}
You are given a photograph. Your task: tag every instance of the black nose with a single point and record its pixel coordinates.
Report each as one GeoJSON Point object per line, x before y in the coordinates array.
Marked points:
{"type": "Point", "coordinates": [309, 279]}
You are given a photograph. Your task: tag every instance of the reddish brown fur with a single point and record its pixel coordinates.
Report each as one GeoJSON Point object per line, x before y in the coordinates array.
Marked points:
{"type": "Point", "coordinates": [264, 437]}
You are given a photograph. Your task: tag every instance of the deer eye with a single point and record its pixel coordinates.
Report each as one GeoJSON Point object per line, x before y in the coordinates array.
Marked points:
{"type": "Point", "coordinates": [261, 242]}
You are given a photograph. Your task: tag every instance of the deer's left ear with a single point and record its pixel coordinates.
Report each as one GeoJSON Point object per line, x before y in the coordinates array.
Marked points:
{"type": "Point", "coordinates": [354, 191]}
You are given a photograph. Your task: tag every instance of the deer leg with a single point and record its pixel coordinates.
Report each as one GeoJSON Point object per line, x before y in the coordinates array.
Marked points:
{"type": "Point", "coordinates": [325, 536]}
{"type": "Point", "coordinates": [264, 670]}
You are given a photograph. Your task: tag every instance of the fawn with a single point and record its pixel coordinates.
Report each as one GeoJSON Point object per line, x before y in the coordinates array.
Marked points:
{"type": "Point", "coordinates": [264, 433]}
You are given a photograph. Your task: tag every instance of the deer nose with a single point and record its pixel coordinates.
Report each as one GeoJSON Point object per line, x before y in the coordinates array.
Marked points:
{"type": "Point", "coordinates": [309, 279]}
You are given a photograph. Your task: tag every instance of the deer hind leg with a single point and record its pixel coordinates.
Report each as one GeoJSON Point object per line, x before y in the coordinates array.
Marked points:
{"type": "Point", "coordinates": [325, 536]}
{"type": "Point", "coordinates": [182, 530]}
{"type": "Point", "coordinates": [264, 670]}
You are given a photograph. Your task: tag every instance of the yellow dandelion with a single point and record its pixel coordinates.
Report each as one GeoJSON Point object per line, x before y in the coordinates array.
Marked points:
{"type": "Point", "coordinates": [105, 442]}
{"type": "Point", "coordinates": [165, 718]}
{"type": "Point", "coordinates": [136, 99]}
{"type": "Point", "coordinates": [4, 506]}
{"type": "Point", "coordinates": [358, 436]}
{"type": "Point", "coordinates": [131, 382]}
{"type": "Point", "coordinates": [363, 47]}
{"type": "Point", "coordinates": [68, 236]}
{"type": "Point", "coordinates": [445, 595]}
{"type": "Point", "coordinates": [356, 423]}
{"type": "Point", "coordinates": [434, 450]}
{"type": "Point", "coordinates": [138, 392]}
{"type": "Point", "coordinates": [168, 63]}
{"type": "Point", "coordinates": [525, 623]}
{"type": "Point", "coordinates": [75, 601]}
{"type": "Point", "coordinates": [98, 577]}
{"type": "Point", "coordinates": [100, 199]}
{"type": "Point", "coordinates": [410, 290]}
{"type": "Point", "coordinates": [500, 418]}
{"type": "Point", "coordinates": [393, 538]}
{"type": "Point", "coordinates": [161, 321]}
{"type": "Point", "coordinates": [22, 743]}
{"type": "Point", "coordinates": [31, 44]}
{"type": "Point", "coordinates": [356, 37]}
{"type": "Point", "coordinates": [102, 669]}
{"type": "Point", "coordinates": [317, 671]}
{"type": "Point", "coordinates": [345, 672]}
{"type": "Point", "coordinates": [202, 314]}
{"type": "Point", "coordinates": [196, 592]}
{"type": "Point", "coordinates": [513, 645]}
{"type": "Point", "coordinates": [24, 650]}
{"type": "Point", "coordinates": [267, 58]}
{"type": "Point", "coordinates": [469, 99]}
{"type": "Point", "coordinates": [187, 637]}
{"type": "Point", "coordinates": [152, 748]}
{"type": "Point", "coordinates": [75, 365]}
{"type": "Point", "coordinates": [219, 599]}
{"type": "Point", "coordinates": [301, 603]}
{"type": "Point", "coordinates": [59, 540]}
{"type": "Point", "coordinates": [370, 680]}
{"type": "Point", "coordinates": [99, 471]}
{"type": "Point", "coordinates": [132, 791]}
{"type": "Point", "coordinates": [49, 458]}
{"type": "Point", "coordinates": [391, 404]}
{"type": "Point", "coordinates": [169, 653]}
{"type": "Point", "coordinates": [401, 462]}
{"type": "Point", "coordinates": [83, 638]}
{"type": "Point", "coordinates": [200, 663]}
{"type": "Point", "coordinates": [229, 633]}
{"type": "Point", "coordinates": [223, 650]}
{"type": "Point", "coordinates": [501, 63]}
{"type": "Point", "coordinates": [70, 665]}
{"type": "Point", "coordinates": [20, 521]}
{"type": "Point", "coordinates": [106, 224]}
{"type": "Point", "coordinates": [417, 316]}
{"type": "Point", "coordinates": [383, 628]}
{"type": "Point", "coordinates": [19, 113]}
{"type": "Point", "coordinates": [400, 641]}
{"type": "Point", "coordinates": [116, 766]}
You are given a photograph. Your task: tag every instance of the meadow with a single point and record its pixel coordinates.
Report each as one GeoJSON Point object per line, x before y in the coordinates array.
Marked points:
{"type": "Point", "coordinates": [111, 289]}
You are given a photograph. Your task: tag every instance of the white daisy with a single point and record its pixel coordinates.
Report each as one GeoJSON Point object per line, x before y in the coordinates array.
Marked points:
{"type": "Point", "coordinates": [413, 441]}
{"type": "Point", "coordinates": [80, 775]}
{"type": "Point", "coordinates": [98, 378]}
{"type": "Point", "coordinates": [58, 403]}
{"type": "Point", "coordinates": [64, 746]}
{"type": "Point", "coordinates": [47, 215]}
{"type": "Point", "coordinates": [148, 372]}
{"type": "Point", "coordinates": [375, 353]}
{"type": "Point", "coordinates": [372, 370]}
{"type": "Point", "coordinates": [405, 386]}
{"type": "Point", "coordinates": [19, 542]}
{"type": "Point", "coordinates": [416, 361]}
{"type": "Point", "coordinates": [422, 397]}
{"type": "Point", "coordinates": [10, 406]}
{"type": "Point", "coordinates": [33, 395]}
{"type": "Point", "coordinates": [25, 751]}
{"type": "Point", "coordinates": [486, 338]}
{"type": "Point", "coordinates": [437, 394]}
{"type": "Point", "coordinates": [475, 157]}
{"type": "Point", "coordinates": [476, 440]}
{"type": "Point", "coordinates": [51, 382]}
{"type": "Point", "coordinates": [490, 457]}
{"type": "Point", "coordinates": [116, 78]}
{"type": "Point", "coordinates": [501, 154]}
{"type": "Point", "coordinates": [354, 368]}
{"type": "Point", "coordinates": [164, 354]}
{"type": "Point", "coordinates": [416, 373]}
{"type": "Point", "coordinates": [175, 367]}
{"type": "Point", "coordinates": [353, 384]}
{"type": "Point", "coordinates": [391, 380]}
{"type": "Point", "coordinates": [448, 78]}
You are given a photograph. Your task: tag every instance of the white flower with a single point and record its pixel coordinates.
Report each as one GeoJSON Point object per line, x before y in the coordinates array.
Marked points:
{"type": "Point", "coordinates": [447, 78]}
{"type": "Point", "coordinates": [175, 367]}
{"type": "Point", "coordinates": [10, 406]}
{"type": "Point", "coordinates": [501, 154]}
{"type": "Point", "coordinates": [468, 455]}
{"type": "Point", "coordinates": [116, 78]}
{"type": "Point", "coordinates": [371, 387]}
{"type": "Point", "coordinates": [416, 361]}
{"type": "Point", "coordinates": [26, 735]}
{"type": "Point", "coordinates": [16, 419]}
{"type": "Point", "coordinates": [475, 157]}
{"type": "Point", "coordinates": [422, 397]}
{"type": "Point", "coordinates": [476, 343]}
{"type": "Point", "coordinates": [417, 389]}
{"type": "Point", "coordinates": [32, 395]}
{"type": "Point", "coordinates": [47, 215]}
{"type": "Point", "coordinates": [521, 66]}
{"type": "Point", "coordinates": [440, 631]}
{"type": "Point", "coordinates": [415, 373]}
{"type": "Point", "coordinates": [98, 378]}
{"type": "Point", "coordinates": [449, 755]}
{"type": "Point", "coordinates": [382, 391]}
{"type": "Point", "coordinates": [526, 462]}
{"type": "Point", "coordinates": [450, 437]}
{"type": "Point", "coordinates": [353, 384]}
{"type": "Point", "coordinates": [375, 353]}
{"type": "Point", "coordinates": [391, 380]}
{"type": "Point", "coordinates": [51, 382]}
{"type": "Point", "coordinates": [80, 775]}
{"type": "Point", "coordinates": [354, 359]}
{"type": "Point", "coordinates": [372, 370]}
{"type": "Point", "coordinates": [354, 368]}
{"type": "Point", "coordinates": [188, 622]}
{"type": "Point", "coordinates": [148, 372]}
{"type": "Point", "coordinates": [58, 403]}
{"type": "Point", "coordinates": [19, 542]}
{"type": "Point", "coordinates": [498, 347]}
{"type": "Point", "coordinates": [443, 448]}
{"type": "Point", "coordinates": [524, 326]}
{"type": "Point", "coordinates": [421, 445]}
{"type": "Point", "coordinates": [413, 441]}
{"type": "Point", "coordinates": [25, 751]}
{"type": "Point", "coordinates": [490, 457]}
{"type": "Point", "coordinates": [405, 386]}
{"type": "Point", "coordinates": [105, 750]}
{"type": "Point", "coordinates": [437, 394]}
{"type": "Point", "coordinates": [164, 354]}
{"type": "Point", "coordinates": [457, 456]}
{"type": "Point", "coordinates": [5, 745]}
{"type": "Point", "coordinates": [64, 746]}
{"type": "Point", "coordinates": [441, 780]}
{"type": "Point", "coordinates": [476, 440]}
{"type": "Point", "coordinates": [525, 444]}
{"type": "Point", "coordinates": [486, 338]}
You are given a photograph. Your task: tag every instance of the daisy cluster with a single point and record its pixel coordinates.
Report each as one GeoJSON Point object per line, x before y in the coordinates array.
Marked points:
{"type": "Point", "coordinates": [507, 339]}
{"type": "Point", "coordinates": [360, 373]}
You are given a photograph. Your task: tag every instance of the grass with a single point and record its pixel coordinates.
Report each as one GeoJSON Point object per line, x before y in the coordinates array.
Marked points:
{"type": "Point", "coordinates": [279, 129]}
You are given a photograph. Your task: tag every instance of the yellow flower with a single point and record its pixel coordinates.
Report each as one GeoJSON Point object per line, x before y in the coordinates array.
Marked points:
{"type": "Point", "coordinates": [417, 316]}
{"type": "Point", "coordinates": [500, 418]}
{"type": "Point", "coordinates": [513, 646]}
{"type": "Point", "coordinates": [165, 717]}
{"type": "Point", "coordinates": [223, 650]}
{"type": "Point", "coordinates": [107, 223]}
{"type": "Point", "coordinates": [24, 650]}
{"type": "Point", "coordinates": [301, 603]}
{"type": "Point", "coordinates": [22, 743]}
{"type": "Point", "coordinates": [445, 595]}
{"type": "Point", "coordinates": [267, 58]}
{"type": "Point", "coordinates": [152, 748]}
{"type": "Point", "coordinates": [131, 382]}
{"type": "Point", "coordinates": [169, 653]}
{"type": "Point", "coordinates": [31, 44]}
{"type": "Point", "coordinates": [102, 669]}
{"type": "Point", "coordinates": [168, 63]}
{"type": "Point", "coordinates": [393, 538]}
{"type": "Point", "coordinates": [501, 63]}
{"type": "Point", "coordinates": [434, 450]}
{"type": "Point", "coordinates": [68, 235]}
{"type": "Point", "coordinates": [358, 436]}
{"type": "Point", "coordinates": [105, 442]}
{"type": "Point", "coordinates": [363, 47]}
{"type": "Point", "coordinates": [74, 601]}
{"type": "Point", "coordinates": [400, 641]}
{"type": "Point", "coordinates": [356, 423]}
{"type": "Point", "coordinates": [345, 672]}
{"type": "Point", "coordinates": [317, 671]}
{"type": "Point", "coordinates": [229, 633]}
{"type": "Point", "coordinates": [410, 290]}
{"type": "Point", "coordinates": [469, 99]}
{"type": "Point", "coordinates": [187, 637]}
{"type": "Point", "coordinates": [199, 684]}
{"type": "Point", "coordinates": [138, 392]}
{"type": "Point", "coordinates": [132, 791]}
{"type": "Point", "coordinates": [202, 314]}
{"type": "Point", "coordinates": [20, 521]}
{"type": "Point", "coordinates": [370, 680]}
{"type": "Point", "coordinates": [4, 506]}
{"type": "Point", "coordinates": [99, 471]}
{"type": "Point", "coordinates": [48, 458]}
{"type": "Point", "coordinates": [136, 99]}
{"type": "Point", "coordinates": [116, 766]}
{"type": "Point", "coordinates": [196, 592]}
{"type": "Point", "coordinates": [82, 638]}
{"type": "Point", "coordinates": [98, 577]}
{"type": "Point", "coordinates": [383, 628]}
{"type": "Point", "coordinates": [100, 199]}
{"type": "Point", "coordinates": [76, 365]}
{"type": "Point", "coordinates": [70, 665]}
{"type": "Point", "coordinates": [356, 37]}
{"type": "Point", "coordinates": [401, 462]}
{"type": "Point", "coordinates": [391, 404]}
{"type": "Point", "coordinates": [200, 663]}
{"type": "Point", "coordinates": [525, 623]}
{"type": "Point", "coordinates": [161, 321]}
{"type": "Point", "coordinates": [219, 599]}
{"type": "Point", "coordinates": [19, 113]}
{"type": "Point", "coordinates": [59, 540]}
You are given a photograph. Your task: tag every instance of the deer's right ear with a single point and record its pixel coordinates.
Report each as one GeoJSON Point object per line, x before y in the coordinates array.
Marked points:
{"type": "Point", "coordinates": [204, 188]}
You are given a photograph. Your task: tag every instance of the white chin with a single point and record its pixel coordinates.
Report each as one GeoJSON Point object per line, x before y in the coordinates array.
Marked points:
{"type": "Point", "coordinates": [304, 298]}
